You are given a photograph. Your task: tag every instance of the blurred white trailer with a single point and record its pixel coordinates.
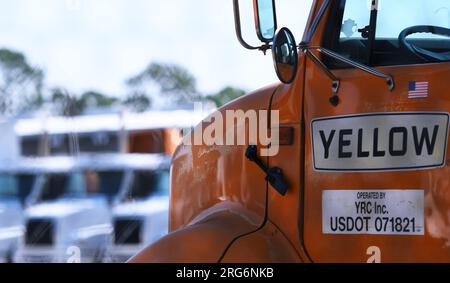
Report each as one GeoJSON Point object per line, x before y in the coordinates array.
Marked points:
{"type": "Point", "coordinates": [9, 143]}
{"type": "Point", "coordinates": [107, 133]}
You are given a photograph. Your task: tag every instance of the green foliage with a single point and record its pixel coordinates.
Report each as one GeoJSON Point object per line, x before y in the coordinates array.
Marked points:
{"type": "Point", "coordinates": [96, 99]}
{"type": "Point", "coordinates": [21, 87]}
{"type": "Point", "coordinates": [179, 84]}
{"type": "Point", "coordinates": [20, 84]}
{"type": "Point", "coordinates": [172, 80]}
{"type": "Point", "coordinates": [67, 104]}
{"type": "Point", "coordinates": [225, 95]}
{"type": "Point", "coordinates": [138, 102]}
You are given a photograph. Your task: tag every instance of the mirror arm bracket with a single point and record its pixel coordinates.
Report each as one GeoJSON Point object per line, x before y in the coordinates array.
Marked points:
{"type": "Point", "coordinates": [336, 82]}
{"type": "Point", "coordinates": [306, 49]}
{"type": "Point", "coordinates": [265, 47]}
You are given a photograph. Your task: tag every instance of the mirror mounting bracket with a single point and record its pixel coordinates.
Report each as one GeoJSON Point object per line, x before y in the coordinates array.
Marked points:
{"type": "Point", "coordinates": [265, 47]}
{"type": "Point", "coordinates": [336, 82]}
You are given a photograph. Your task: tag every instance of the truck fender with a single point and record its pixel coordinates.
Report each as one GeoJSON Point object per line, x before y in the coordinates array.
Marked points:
{"type": "Point", "coordinates": [266, 245]}
{"type": "Point", "coordinates": [202, 242]}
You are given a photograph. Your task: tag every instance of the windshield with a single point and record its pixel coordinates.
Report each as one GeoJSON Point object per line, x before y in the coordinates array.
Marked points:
{"type": "Point", "coordinates": [16, 186]}
{"type": "Point", "coordinates": [390, 23]}
{"type": "Point", "coordinates": [106, 183]}
{"type": "Point", "coordinates": [55, 186]}
{"type": "Point", "coordinates": [82, 185]}
{"type": "Point", "coordinates": [371, 34]}
{"type": "Point", "coordinates": [148, 183]}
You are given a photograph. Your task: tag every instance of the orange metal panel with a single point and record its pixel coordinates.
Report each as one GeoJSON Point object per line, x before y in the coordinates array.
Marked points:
{"type": "Point", "coordinates": [206, 177]}
{"type": "Point", "coordinates": [203, 176]}
{"type": "Point", "coordinates": [363, 93]}
{"type": "Point", "coordinates": [204, 241]}
{"type": "Point", "coordinates": [266, 245]}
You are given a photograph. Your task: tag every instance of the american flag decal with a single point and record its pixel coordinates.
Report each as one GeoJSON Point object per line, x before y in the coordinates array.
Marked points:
{"type": "Point", "coordinates": [418, 89]}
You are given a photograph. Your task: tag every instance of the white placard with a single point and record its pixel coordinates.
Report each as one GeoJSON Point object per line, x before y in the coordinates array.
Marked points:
{"type": "Point", "coordinates": [383, 212]}
{"type": "Point", "coordinates": [380, 142]}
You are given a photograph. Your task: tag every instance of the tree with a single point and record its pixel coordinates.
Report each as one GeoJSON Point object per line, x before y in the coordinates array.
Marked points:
{"type": "Point", "coordinates": [66, 103]}
{"type": "Point", "coordinates": [172, 80]}
{"type": "Point", "coordinates": [20, 84]}
{"type": "Point", "coordinates": [138, 102]}
{"type": "Point", "coordinates": [69, 104]}
{"type": "Point", "coordinates": [225, 95]}
{"type": "Point", "coordinates": [96, 99]}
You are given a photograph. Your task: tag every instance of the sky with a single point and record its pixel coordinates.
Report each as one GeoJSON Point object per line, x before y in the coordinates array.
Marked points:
{"type": "Point", "coordinates": [97, 44]}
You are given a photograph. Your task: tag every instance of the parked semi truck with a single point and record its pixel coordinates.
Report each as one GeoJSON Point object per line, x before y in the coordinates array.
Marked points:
{"type": "Point", "coordinates": [138, 189]}
{"type": "Point", "coordinates": [17, 182]}
{"type": "Point", "coordinates": [83, 209]}
{"type": "Point", "coordinates": [67, 216]}
{"type": "Point", "coordinates": [360, 171]}
{"type": "Point", "coordinates": [11, 215]}
{"type": "Point", "coordinates": [141, 216]}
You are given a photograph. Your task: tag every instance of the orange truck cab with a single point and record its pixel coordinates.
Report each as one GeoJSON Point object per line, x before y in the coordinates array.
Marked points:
{"type": "Point", "coordinates": [360, 171]}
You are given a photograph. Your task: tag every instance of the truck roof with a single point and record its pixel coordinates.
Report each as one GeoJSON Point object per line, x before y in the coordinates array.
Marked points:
{"type": "Point", "coordinates": [124, 162]}
{"type": "Point", "coordinates": [108, 122]}
{"type": "Point", "coordinates": [98, 162]}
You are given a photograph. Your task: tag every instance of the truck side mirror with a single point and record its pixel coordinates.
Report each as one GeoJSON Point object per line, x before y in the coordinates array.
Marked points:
{"type": "Point", "coordinates": [265, 19]}
{"type": "Point", "coordinates": [285, 55]}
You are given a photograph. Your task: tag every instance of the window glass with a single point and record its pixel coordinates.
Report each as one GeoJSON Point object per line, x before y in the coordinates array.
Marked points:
{"type": "Point", "coordinates": [105, 183]}
{"type": "Point", "coordinates": [98, 142]}
{"type": "Point", "coordinates": [8, 186]}
{"type": "Point", "coordinates": [356, 16]}
{"type": "Point", "coordinates": [75, 185]}
{"type": "Point", "coordinates": [82, 185]}
{"type": "Point", "coordinates": [55, 186]}
{"type": "Point", "coordinates": [25, 185]}
{"type": "Point", "coordinates": [396, 15]}
{"type": "Point", "coordinates": [29, 146]}
{"type": "Point", "coordinates": [147, 183]}
{"type": "Point", "coordinates": [353, 19]}
{"type": "Point", "coordinates": [16, 186]}
{"type": "Point", "coordinates": [267, 23]}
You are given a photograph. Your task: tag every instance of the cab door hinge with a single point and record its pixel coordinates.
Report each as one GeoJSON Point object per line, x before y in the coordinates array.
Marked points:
{"type": "Point", "coordinates": [274, 175]}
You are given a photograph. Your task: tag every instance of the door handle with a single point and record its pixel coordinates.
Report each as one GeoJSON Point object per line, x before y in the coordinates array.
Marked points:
{"type": "Point", "coordinates": [274, 175]}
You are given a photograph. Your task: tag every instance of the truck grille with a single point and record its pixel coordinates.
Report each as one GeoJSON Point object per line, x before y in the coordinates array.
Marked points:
{"type": "Point", "coordinates": [40, 233]}
{"type": "Point", "coordinates": [127, 231]}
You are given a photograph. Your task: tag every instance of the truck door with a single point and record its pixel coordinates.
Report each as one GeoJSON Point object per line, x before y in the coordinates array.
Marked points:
{"type": "Point", "coordinates": [377, 186]}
